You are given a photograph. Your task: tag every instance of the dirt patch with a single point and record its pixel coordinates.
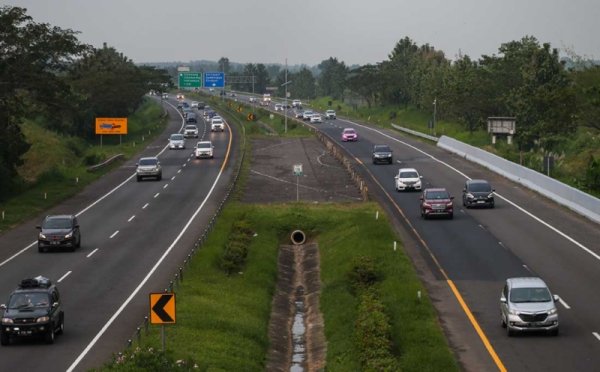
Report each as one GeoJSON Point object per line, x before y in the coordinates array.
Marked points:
{"type": "Point", "coordinates": [272, 180]}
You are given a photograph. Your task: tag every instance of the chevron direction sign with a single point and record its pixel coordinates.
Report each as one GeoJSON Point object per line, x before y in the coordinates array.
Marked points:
{"type": "Point", "coordinates": [162, 308]}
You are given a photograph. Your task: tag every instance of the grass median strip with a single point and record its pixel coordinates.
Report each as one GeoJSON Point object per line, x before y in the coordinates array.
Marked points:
{"type": "Point", "coordinates": [222, 320]}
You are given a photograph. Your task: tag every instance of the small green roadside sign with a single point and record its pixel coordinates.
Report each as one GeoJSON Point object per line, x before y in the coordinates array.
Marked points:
{"type": "Point", "coordinates": [190, 79]}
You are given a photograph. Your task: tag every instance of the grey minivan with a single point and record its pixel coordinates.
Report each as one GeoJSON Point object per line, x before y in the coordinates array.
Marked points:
{"type": "Point", "coordinates": [526, 304]}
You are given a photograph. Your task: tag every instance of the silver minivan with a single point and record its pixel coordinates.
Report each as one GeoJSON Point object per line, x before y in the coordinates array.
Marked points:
{"type": "Point", "coordinates": [526, 304]}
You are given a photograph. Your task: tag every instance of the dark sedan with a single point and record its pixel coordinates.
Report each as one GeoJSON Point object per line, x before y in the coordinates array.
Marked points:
{"type": "Point", "coordinates": [382, 154]}
{"type": "Point", "coordinates": [61, 231]}
{"type": "Point", "coordinates": [478, 193]}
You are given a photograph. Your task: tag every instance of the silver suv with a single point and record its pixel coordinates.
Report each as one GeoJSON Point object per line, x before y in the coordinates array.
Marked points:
{"type": "Point", "coordinates": [148, 167]}
{"type": "Point", "coordinates": [526, 304]}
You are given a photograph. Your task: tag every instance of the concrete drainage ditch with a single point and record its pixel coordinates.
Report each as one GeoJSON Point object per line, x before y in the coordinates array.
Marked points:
{"type": "Point", "coordinates": [296, 335]}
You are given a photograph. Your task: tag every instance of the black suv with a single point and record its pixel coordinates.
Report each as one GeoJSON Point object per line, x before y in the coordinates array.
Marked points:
{"type": "Point", "coordinates": [61, 231]}
{"type": "Point", "coordinates": [478, 193]}
{"type": "Point", "coordinates": [382, 154]}
{"type": "Point", "coordinates": [33, 309]}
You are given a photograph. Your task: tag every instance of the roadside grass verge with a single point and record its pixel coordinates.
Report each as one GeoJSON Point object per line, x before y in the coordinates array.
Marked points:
{"type": "Point", "coordinates": [222, 320]}
{"type": "Point", "coordinates": [56, 166]}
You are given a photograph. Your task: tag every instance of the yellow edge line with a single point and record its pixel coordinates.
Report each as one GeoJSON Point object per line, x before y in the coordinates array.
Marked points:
{"type": "Point", "coordinates": [455, 291]}
{"type": "Point", "coordinates": [478, 329]}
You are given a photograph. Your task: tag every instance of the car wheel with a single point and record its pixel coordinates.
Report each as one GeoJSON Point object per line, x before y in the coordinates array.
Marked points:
{"type": "Point", "coordinates": [503, 322]}
{"type": "Point", "coordinates": [61, 328]}
{"type": "Point", "coordinates": [510, 332]}
{"type": "Point", "coordinates": [78, 242]}
{"type": "Point", "coordinates": [451, 216]}
{"type": "Point", "coordinates": [49, 336]}
{"type": "Point", "coordinates": [139, 178]}
{"type": "Point", "coordinates": [4, 339]}
{"type": "Point", "coordinates": [159, 177]}
{"type": "Point", "coordinates": [492, 206]}
{"type": "Point", "coordinates": [554, 332]}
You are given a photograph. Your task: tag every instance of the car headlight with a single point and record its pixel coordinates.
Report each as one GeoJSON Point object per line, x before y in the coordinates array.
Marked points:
{"type": "Point", "coordinates": [470, 196]}
{"type": "Point", "coordinates": [513, 312]}
{"type": "Point", "coordinates": [7, 321]}
{"type": "Point", "coordinates": [42, 236]}
{"type": "Point", "coordinates": [42, 319]}
{"type": "Point", "coordinates": [491, 195]}
{"type": "Point", "coordinates": [449, 204]}
{"type": "Point", "coordinates": [69, 235]}
{"type": "Point", "coordinates": [552, 311]}
{"type": "Point", "coordinates": [418, 183]}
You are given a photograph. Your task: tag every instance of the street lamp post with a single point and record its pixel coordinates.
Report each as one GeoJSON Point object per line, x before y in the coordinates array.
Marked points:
{"type": "Point", "coordinates": [434, 113]}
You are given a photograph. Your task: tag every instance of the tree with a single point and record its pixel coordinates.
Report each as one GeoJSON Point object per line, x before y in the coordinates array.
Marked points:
{"type": "Point", "coordinates": [332, 80]}
{"type": "Point", "coordinates": [303, 84]}
{"type": "Point", "coordinates": [587, 91]}
{"type": "Point", "coordinates": [224, 65]}
{"type": "Point", "coordinates": [365, 81]}
{"type": "Point", "coordinates": [262, 79]}
{"type": "Point", "coordinates": [33, 59]}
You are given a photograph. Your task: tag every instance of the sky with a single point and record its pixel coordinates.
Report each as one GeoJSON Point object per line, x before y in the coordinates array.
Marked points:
{"type": "Point", "coordinates": [310, 31]}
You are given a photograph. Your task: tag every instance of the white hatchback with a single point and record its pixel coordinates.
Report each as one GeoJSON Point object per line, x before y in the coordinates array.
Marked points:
{"type": "Point", "coordinates": [408, 179]}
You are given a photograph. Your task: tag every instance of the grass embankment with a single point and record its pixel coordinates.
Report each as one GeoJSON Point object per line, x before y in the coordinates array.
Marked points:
{"type": "Point", "coordinates": [222, 320]}
{"type": "Point", "coordinates": [56, 165]}
{"type": "Point", "coordinates": [572, 161]}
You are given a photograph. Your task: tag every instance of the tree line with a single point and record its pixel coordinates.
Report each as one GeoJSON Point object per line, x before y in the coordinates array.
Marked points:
{"type": "Point", "coordinates": [46, 72]}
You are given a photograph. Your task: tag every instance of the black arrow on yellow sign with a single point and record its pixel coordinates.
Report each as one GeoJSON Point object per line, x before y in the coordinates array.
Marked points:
{"type": "Point", "coordinates": [162, 308]}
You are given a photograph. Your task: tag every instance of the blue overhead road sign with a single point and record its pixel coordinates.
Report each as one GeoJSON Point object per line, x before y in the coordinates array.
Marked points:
{"type": "Point", "coordinates": [214, 79]}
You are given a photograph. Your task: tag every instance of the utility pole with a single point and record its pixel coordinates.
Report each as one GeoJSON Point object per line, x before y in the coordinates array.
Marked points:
{"type": "Point", "coordinates": [434, 113]}
{"type": "Point", "coordinates": [285, 110]}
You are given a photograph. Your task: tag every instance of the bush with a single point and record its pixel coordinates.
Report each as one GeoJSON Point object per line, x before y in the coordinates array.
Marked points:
{"type": "Point", "coordinates": [363, 273]}
{"type": "Point", "coordinates": [94, 158]}
{"type": "Point", "coordinates": [236, 249]}
{"type": "Point", "coordinates": [148, 360]}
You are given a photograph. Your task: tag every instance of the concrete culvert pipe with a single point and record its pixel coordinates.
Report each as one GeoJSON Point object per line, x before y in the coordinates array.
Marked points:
{"type": "Point", "coordinates": [298, 237]}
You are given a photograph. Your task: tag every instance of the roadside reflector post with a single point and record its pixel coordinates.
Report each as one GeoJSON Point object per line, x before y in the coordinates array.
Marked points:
{"type": "Point", "coordinates": [377, 215]}
{"type": "Point", "coordinates": [394, 246]}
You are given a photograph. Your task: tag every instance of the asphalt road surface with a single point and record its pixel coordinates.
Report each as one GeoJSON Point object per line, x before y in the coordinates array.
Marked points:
{"type": "Point", "coordinates": [134, 237]}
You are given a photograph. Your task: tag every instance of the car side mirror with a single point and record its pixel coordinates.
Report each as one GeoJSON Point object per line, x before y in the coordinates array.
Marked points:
{"type": "Point", "coordinates": [465, 190]}
{"type": "Point", "coordinates": [55, 304]}
{"type": "Point", "coordinates": [493, 190]}
{"type": "Point", "coordinates": [503, 299]}
{"type": "Point", "coordinates": [38, 227]}
{"type": "Point", "coordinates": [420, 176]}
{"type": "Point", "coordinates": [555, 298]}
{"type": "Point", "coordinates": [452, 198]}
{"type": "Point", "coordinates": [3, 307]}
{"type": "Point", "coordinates": [396, 177]}
{"type": "Point", "coordinates": [77, 226]}
{"type": "Point", "coordinates": [421, 198]}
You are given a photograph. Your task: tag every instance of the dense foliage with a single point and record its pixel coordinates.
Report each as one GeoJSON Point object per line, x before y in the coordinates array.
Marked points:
{"type": "Point", "coordinates": [45, 72]}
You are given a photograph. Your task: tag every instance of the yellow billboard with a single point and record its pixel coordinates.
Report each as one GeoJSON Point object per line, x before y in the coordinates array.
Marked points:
{"type": "Point", "coordinates": [111, 125]}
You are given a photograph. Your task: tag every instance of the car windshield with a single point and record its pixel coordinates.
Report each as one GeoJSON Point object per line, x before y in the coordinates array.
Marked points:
{"type": "Point", "coordinates": [148, 161]}
{"type": "Point", "coordinates": [202, 145]}
{"type": "Point", "coordinates": [437, 195]}
{"type": "Point", "coordinates": [480, 187]}
{"type": "Point", "coordinates": [217, 121]}
{"type": "Point", "coordinates": [530, 295]}
{"type": "Point", "coordinates": [382, 149]}
{"type": "Point", "coordinates": [177, 137]}
{"type": "Point", "coordinates": [190, 127]}
{"type": "Point", "coordinates": [349, 131]}
{"type": "Point", "coordinates": [28, 300]}
{"type": "Point", "coordinates": [409, 174]}
{"type": "Point", "coordinates": [57, 223]}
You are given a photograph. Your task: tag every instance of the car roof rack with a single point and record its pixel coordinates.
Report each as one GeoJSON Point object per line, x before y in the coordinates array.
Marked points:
{"type": "Point", "coordinates": [37, 282]}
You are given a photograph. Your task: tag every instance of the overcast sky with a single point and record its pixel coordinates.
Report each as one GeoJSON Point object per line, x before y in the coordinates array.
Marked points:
{"type": "Point", "coordinates": [309, 31]}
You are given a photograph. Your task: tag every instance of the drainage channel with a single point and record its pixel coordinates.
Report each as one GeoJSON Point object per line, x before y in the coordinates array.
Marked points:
{"type": "Point", "coordinates": [299, 333]}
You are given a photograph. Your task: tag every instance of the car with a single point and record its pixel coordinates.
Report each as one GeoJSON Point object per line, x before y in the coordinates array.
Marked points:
{"type": "Point", "coordinates": [349, 134]}
{"type": "Point", "coordinates": [201, 105]}
{"type": "Point", "coordinates": [307, 114]}
{"type": "Point", "coordinates": [59, 231]}
{"type": "Point", "coordinates": [185, 105]}
{"type": "Point", "coordinates": [526, 304]}
{"type": "Point", "coordinates": [209, 114]}
{"type": "Point", "coordinates": [190, 130]}
{"type": "Point", "coordinates": [330, 115]}
{"type": "Point", "coordinates": [191, 117]}
{"type": "Point", "coordinates": [436, 202]}
{"type": "Point", "coordinates": [278, 107]}
{"type": "Point", "coordinates": [298, 114]}
{"type": "Point", "coordinates": [165, 96]}
{"type": "Point", "coordinates": [204, 149]}
{"type": "Point", "coordinates": [408, 179]}
{"type": "Point", "coordinates": [217, 124]}
{"type": "Point", "coordinates": [176, 141]}
{"type": "Point", "coordinates": [296, 103]}
{"type": "Point", "coordinates": [34, 309]}
{"type": "Point", "coordinates": [316, 118]}
{"type": "Point", "coordinates": [179, 104]}
{"type": "Point", "coordinates": [180, 97]}
{"type": "Point", "coordinates": [233, 94]}
{"type": "Point", "coordinates": [252, 99]}
{"type": "Point", "coordinates": [194, 104]}
{"type": "Point", "coordinates": [382, 154]}
{"type": "Point", "coordinates": [148, 167]}
{"type": "Point", "coordinates": [478, 193]}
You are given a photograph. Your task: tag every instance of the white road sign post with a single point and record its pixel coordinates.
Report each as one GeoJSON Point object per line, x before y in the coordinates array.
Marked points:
{"type": "Point", "coordinates": [298, 174]}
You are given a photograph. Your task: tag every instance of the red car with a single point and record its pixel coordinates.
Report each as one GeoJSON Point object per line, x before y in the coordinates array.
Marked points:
{"type": "Point", "coordinates": [349, 134]}
{"type": "Point", "coordinates": [436, 202]}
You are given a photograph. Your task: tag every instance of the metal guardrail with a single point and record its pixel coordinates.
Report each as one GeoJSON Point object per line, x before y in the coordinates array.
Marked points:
{"type": "Point", "coordinates": [104, 163]}
{"type": "Point", "coordinates": [415, 133]}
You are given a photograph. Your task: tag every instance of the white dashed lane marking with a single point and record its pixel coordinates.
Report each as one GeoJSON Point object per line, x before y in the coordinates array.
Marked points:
{"type": "Point", "coordinates": [131, 218]}
{"type": "Point", "coordinates": [114, 234]}
{"type": "Point", "coordinates": [157, 194]}
{"type": "Point", "coordinates": [92, 252]}
{"type": "Point", "coordinates": [64, 276]}
{"type": "Point", "coordinates": [145, 205]}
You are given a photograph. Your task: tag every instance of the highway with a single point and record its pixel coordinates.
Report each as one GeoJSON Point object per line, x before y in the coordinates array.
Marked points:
{"type": "Point", "coordinates": [135, 236]}
{"type": "Point", "coordinates": [465, 261]}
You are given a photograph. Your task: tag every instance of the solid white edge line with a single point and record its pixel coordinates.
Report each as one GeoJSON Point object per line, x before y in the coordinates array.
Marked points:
{"type": "Point", "coordinates": [563, 303]}
{"type": "Point", "coordinates": [156, 195]}
{"type": "Point", "coordinates": [145, 205]}
{"type": "Point", "coordinates": [143, 282]}
{"type": "Point", "coordinates": [596, 335]}
{"type": "Point", "coordinates": [92, 252]}
{"type": "Point", "coordinates": [94, 203]}
{"type": "Point", "coordinates": [64, 276]}
{"type": "Point", "coordinates": [173, 178]}
{"type": "Point", "coordinates": [165, 186]}
{"type": "Point", "coordinates": [131, 218]}
{"type": "Point", "coordinates": [596, 256]}
{"type": "Point", "coordinates": [114, 234]}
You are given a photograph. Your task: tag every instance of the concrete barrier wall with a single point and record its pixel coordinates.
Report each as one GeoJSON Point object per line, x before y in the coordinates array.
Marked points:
{"type": "Point", "coordinates": [577, 200]}
{"type": "Point", "coordinates": [415, 133]}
